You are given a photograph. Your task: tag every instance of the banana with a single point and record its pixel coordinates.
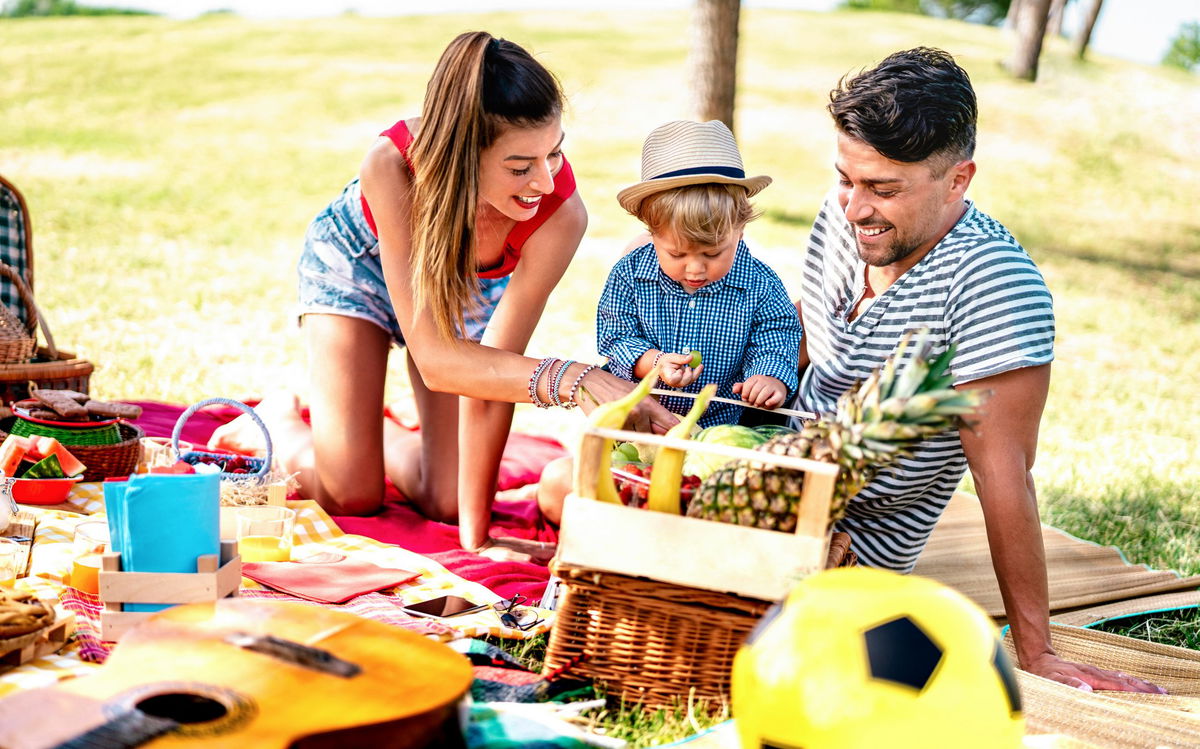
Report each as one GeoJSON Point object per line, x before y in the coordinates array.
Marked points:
{"type": "Point", "coordinates": [612, 415]}
{"type": "Point", "coordinates": [667, 477]}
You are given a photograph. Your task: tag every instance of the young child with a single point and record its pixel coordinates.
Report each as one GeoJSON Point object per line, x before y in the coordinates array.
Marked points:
{"type": "Point", "coordinates": [695, 287]}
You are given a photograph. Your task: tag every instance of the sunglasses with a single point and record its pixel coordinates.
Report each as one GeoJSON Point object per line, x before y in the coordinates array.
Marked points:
{"type": "Point", "coordinates": [513, 616]}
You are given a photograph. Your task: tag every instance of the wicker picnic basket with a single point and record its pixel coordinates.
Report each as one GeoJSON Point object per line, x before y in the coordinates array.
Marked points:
{"type": "Point", "coordinates": [105, 456]}
{"type": "Point", "coordinates": [653, 606]}
{"type": "Point", "coordinates": [17, 337]}
{"type": "Point", "coordinates": [44, 366]}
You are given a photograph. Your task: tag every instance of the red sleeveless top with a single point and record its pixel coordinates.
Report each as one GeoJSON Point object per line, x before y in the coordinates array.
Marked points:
{"type": "Point", "coordinates": [564, 187]}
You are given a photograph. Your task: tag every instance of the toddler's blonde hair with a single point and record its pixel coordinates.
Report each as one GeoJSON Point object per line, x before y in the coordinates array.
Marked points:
{"type": "Point", "coordinates": [703, 215]}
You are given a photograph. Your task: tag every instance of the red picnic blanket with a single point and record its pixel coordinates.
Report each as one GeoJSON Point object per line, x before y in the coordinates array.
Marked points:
{"type": "Point", "coordinates": [398, 523]}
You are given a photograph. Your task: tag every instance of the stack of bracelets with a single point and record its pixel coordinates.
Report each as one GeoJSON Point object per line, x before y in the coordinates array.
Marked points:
{"type": "Point", "coordinates": [555, 369]}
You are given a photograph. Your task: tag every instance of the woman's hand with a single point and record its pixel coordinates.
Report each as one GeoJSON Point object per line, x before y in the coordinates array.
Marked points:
{"type": "Point", "coordinates": [601, 387]}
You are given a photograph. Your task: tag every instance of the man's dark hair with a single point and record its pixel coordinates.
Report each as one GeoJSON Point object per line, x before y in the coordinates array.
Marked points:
{"type": "Point", "coordinates": [915, 104]}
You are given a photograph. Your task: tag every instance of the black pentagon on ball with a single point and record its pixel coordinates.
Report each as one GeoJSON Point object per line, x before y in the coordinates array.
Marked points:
{"type": "Point", "coordinates": [900, 651]}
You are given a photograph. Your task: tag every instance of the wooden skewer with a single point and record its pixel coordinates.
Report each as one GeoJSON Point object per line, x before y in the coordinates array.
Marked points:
{"type": "Point", "coordinates": [784, 411]}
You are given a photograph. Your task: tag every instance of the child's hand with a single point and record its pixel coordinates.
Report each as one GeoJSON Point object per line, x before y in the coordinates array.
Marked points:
{"type": "Point", "coordinates": [677, 370]}
{"type": "Point", "coordinates": [763, 391]}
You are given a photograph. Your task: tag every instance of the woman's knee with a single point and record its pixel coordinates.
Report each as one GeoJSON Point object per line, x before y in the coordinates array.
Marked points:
{"type": "Point", "coordinates": [556, 482]}
{"type": "Point", "coordinates": [358, 499]}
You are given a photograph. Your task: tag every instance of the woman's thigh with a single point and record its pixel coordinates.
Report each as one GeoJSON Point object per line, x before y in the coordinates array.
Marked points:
{"type": "Point", "coordinates": [347, 367]}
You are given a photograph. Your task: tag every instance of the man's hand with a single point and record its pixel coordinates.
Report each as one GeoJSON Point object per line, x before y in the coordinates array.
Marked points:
{"type": "Point", "coordinates": [763, 391]}
{"type": "Point", "coordinates": [1086, 678]}
{"type": "Point", "coordinates": [677, 370]}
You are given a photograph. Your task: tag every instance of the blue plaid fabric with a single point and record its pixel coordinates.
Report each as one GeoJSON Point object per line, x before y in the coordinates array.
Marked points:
{"type": "Point", "coordinates": [743, 325]}
{"type": "Point", "coordinates": [14, 249]}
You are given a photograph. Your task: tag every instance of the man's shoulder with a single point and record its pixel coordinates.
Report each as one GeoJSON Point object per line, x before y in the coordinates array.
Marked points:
{"type": "Point", "coordinates": [978, 242]}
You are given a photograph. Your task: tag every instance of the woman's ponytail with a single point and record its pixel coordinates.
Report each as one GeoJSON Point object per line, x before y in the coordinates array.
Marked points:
{"type": "Point", "coordinates": [481, 84]}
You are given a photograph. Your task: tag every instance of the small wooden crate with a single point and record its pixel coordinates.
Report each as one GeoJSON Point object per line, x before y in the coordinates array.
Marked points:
{"type": "Point", "coordinates": [48, 641]}
{"type": "Point", "coordinates": [654, 606]}
{"type": "Point", "coordinates": [210, 582]}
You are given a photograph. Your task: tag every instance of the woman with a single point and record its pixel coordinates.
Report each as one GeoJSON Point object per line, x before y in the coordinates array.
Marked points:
{"type": "Point", "coordinates": [470, 215]}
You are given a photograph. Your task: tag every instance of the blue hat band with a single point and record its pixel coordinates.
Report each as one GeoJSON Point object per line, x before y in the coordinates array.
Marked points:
{"type": "Point", "coordinates": [724, 171]}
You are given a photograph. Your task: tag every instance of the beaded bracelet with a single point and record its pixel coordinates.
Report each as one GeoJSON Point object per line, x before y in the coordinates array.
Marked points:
{"type": "Point", "coordinates": [571, 402]}
{"type": "Point", "coordinates": [556, 381]}
{"type": "Point", "coordinates": [654, 363]}
{"type": "Point", "coordinates": [534, 398]}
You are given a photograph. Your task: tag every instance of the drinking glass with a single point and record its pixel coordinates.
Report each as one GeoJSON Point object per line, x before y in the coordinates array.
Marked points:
{"type": "Point", "coordinates": [91, 540]}
{"type": "Point", "coordinates": [12, 561]}
{"type": "Point", "coordinates": [264, 533]}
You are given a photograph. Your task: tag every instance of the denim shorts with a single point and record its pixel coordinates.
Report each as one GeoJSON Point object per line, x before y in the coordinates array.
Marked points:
{"type": "Point", "coordinates": [340, 272]}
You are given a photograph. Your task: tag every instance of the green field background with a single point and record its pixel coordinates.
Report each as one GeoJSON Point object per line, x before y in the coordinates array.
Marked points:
{"type": "Point", "coordinates": [171, 168]}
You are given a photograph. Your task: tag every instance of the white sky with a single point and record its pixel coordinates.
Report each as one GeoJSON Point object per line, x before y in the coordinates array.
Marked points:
{"type": "Point", "coordinates": [1139, 30]}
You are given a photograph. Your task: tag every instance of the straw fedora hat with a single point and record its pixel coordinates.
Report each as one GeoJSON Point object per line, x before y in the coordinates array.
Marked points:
{"type": "Point", "coordinates": [689, 153]}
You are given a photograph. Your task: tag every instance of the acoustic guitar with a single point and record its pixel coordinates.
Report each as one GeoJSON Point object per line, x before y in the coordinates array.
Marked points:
{"type": "Point", "coordinates": [252, 673]}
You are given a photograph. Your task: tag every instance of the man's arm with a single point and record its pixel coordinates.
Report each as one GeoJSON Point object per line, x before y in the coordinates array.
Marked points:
{"type": "Point", "coordinates": [1000, 451]}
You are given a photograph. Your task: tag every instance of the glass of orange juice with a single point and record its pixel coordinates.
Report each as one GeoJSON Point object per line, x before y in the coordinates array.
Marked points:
{"type": "Point", "coordinates": [91, 540]}
{"type": "Point", "coordinates": [264, 533]}
{"type": "Point", "coordinates": [12, 560]}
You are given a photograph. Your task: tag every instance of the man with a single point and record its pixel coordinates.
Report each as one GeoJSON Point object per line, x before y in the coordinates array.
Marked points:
{"type": "Point", "coordinates": [899, 246]}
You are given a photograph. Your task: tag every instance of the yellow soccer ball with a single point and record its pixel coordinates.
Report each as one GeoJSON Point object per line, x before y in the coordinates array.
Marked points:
{"type": "Point", "coordinates": [857, 657]}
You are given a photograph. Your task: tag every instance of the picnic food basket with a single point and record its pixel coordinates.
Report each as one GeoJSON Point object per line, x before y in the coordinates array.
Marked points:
{"type": "Point", "coordinates": [654, 606]}
{"type": "Point", "coordinates": [46, 366]}
{"type": "Point", "coordinates": [106, 456]}
{"type": "Point", "coordinates": [17, 341]}
{"type": "Point", "coordinates": [257, 468]}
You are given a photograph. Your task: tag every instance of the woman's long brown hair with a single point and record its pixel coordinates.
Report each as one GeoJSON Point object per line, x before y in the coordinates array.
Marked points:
{"type": "Point", "coordinates": [480, 86]}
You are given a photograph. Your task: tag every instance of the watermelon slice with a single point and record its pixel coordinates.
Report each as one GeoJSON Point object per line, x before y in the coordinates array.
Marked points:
{"type": "Point", "coordinates": [179, 466]}
{"type": "Point", "coordinates": [44, 447]}
{"type": "Point", "coordinates": [46, 468]}
{"type": "Point", "coordinates": [12, 450]}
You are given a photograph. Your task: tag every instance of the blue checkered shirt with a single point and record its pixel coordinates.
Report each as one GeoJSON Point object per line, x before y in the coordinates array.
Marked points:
{"type": "Point", "coordinates": [743, 325]}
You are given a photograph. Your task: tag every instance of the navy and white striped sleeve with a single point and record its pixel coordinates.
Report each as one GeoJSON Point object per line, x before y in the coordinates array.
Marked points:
{"type": "Point", "coordinates": [999, 313]}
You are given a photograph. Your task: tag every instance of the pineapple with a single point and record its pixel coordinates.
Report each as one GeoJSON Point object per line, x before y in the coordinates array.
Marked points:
{"type": "Point", "coordinates": [901, 403]}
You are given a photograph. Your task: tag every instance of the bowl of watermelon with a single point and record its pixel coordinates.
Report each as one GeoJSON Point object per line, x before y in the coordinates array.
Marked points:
{"type": "Point", "coordinates": [42, 469]}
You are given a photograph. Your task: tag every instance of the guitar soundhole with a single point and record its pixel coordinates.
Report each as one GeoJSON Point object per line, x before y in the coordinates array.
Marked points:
{"type": "Point", "coordinates": [183, 708]}
{"type": "Point", "coordinates": [201, 710]}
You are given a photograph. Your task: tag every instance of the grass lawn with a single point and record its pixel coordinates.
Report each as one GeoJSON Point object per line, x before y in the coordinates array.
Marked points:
{"type": "Point", "coordinates": [172, 167]}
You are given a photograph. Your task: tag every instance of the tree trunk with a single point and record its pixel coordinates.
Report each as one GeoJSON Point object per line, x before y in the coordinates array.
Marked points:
{"type": "Point", "coordinates": [1054, 25]}
{"type": "Point", "coordinates": [1014, 10]}
{"type": "Point", "coordinates": [1083, 36]}
{"type": "Point", "coordinates": [1031, 27]}
{"type": "Point", "coordinates": [712, 67]}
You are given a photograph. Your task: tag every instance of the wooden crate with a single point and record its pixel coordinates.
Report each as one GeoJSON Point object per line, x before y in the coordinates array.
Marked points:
{"type": "Point", "coordinates": [654, 606]}
{"type": "Point", "coordinates": [48, 641]}
{"type": "Point", "coordinates": [214, 579]}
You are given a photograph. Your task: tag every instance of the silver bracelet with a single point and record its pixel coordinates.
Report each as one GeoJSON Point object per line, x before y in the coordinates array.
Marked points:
{"type": "Point", "coordinates": [534, 398]}
{"type": "Point", "coordinates": [555, 381]}
{"type": "Point", "coordinates": [571, 402]}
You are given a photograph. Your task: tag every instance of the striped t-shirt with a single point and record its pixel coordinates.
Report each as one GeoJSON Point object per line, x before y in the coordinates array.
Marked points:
{"type": "Point", "coordinates": [977, 289]}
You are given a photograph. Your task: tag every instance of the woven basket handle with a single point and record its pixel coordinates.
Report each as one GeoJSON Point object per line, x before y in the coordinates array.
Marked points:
{"type": "Point", "coordinates": [183, 417]}
{"type": "Point", "coordinates": [33, 315]}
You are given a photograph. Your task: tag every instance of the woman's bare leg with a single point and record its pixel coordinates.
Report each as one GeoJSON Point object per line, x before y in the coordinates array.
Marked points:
{"type": "Point", "coordinates": [347, 369]}
{"type": "Point", "coordinates": [424, 465]}
{"type": "Point", "coordinates": [339, 460]}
